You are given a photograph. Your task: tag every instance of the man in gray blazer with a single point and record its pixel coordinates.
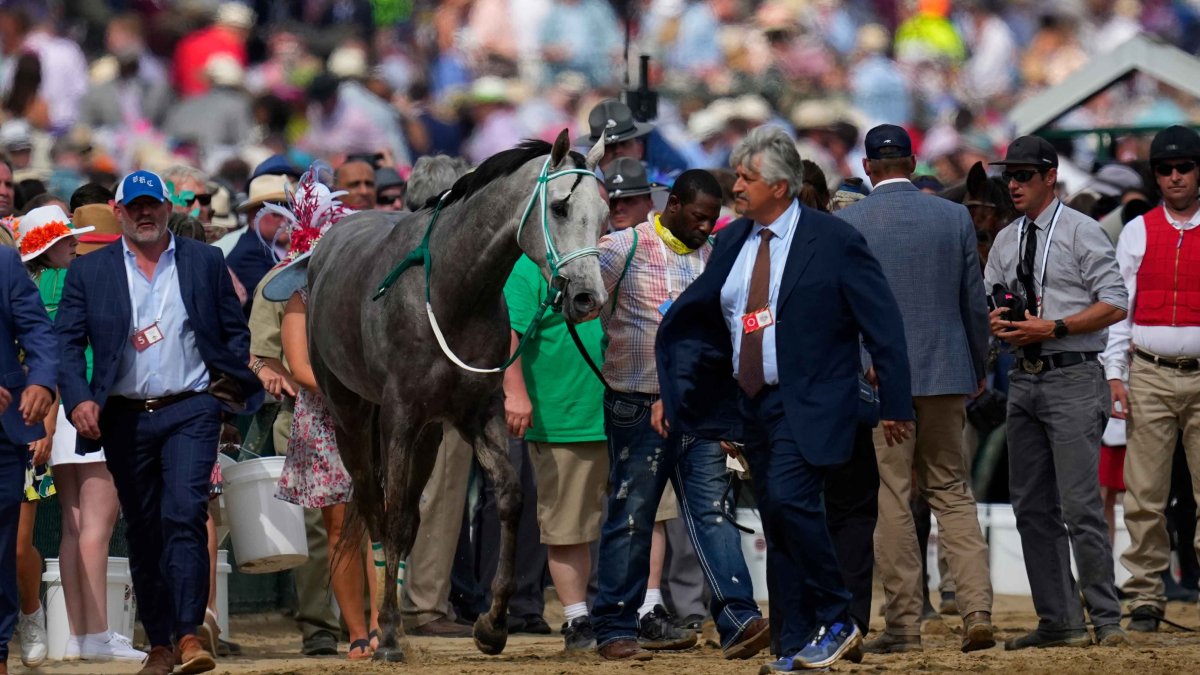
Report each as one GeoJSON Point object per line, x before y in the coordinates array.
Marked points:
{"type": "Point", "coordinates": [926, 246]}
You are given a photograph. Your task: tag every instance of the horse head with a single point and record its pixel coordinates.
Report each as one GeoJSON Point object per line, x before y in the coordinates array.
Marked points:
{"type": "Point", "coordinates": [563, 225]}
{"type": "Point", "coordinates": [987, 199]}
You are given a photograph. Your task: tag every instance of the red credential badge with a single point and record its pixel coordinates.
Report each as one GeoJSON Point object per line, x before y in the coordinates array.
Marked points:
{"type": "Point", "coordinates": [147, 337]}
{"type": "Point", "coordinates": [753, 321]}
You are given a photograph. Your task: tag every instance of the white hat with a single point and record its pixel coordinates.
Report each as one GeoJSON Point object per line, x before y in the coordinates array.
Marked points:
{"type": "Point", "coordinates": [223, 70]}
{"type": "Point", "coordinates": [348, 61]}
{"type": "Point", "coordinates": [16, 134]}
{"type": "Point", "coordinates": [235, 14]}
{"type": "Point", "coordinates": [266, 188]}
{"type": "Point", "coordinates": [751, 107]}
{"type": "Point", "coordinates": [704, 124]}
{"type": "Point", "coordinates": [41, 228]}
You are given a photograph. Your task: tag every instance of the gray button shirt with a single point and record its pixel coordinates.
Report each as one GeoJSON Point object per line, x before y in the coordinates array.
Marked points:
{"type": "Point", "coordinates": [1081, 270]}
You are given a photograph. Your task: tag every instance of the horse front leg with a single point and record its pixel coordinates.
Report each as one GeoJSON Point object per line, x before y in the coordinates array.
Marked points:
{"type": "Point", "coordinates": [491, 449]}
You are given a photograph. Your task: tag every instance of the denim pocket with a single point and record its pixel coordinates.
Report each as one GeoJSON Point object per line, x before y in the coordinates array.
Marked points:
{"type": "Point", "coordinates": [625, 414]}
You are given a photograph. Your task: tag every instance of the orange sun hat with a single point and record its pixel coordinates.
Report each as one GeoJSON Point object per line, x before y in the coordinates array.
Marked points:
{"type": "Point", "coordinates": [41, 228]}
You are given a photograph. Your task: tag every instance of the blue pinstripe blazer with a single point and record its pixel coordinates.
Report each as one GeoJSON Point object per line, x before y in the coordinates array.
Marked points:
{"type": "Point", "coordinates": [927, 248]}
{"type": "Point", "coordinates": [24, 325]}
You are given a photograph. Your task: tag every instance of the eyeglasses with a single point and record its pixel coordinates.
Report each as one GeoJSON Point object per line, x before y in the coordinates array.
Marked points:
{"type": "Point", "coordinates": [385, 198]}
{"type": "Point", "coordinates": [1020, 175]}
{"type": "Point", "coordinates": [188, 197]}
{"type": "Point", "coordinates": [1165, 169]}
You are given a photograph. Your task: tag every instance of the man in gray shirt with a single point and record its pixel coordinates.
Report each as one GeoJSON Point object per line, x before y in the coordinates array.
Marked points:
{"type": "Point", "coordinates": [1062, 265]}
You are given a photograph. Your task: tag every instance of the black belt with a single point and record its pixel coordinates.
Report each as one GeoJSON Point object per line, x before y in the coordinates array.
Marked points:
{"type": "Point", "coordinates": [150, 404]}
{"type": "Point", "coordinates": [1184, 364]}
{"type": "Point", "coordinates": [1048, 362]}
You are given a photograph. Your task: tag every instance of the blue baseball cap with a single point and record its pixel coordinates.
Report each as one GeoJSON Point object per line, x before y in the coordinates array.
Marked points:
{"type": "Point", "coordinates": [887, 141]}
{"type": "Point", "coordinates": [276, 165]}
{"type": "Point", "coordinates": [141, 184]}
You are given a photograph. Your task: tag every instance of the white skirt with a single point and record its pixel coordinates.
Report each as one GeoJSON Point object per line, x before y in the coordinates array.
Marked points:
{"type": "Point", "coordinates": [63, 450]}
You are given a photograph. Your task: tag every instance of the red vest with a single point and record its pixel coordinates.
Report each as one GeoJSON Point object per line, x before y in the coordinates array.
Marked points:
{"type": "Point", "coordinates": [1168, 280]}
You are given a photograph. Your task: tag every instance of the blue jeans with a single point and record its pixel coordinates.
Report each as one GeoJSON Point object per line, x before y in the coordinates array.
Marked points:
{"type": "Point", "coordinates": [640, 464]}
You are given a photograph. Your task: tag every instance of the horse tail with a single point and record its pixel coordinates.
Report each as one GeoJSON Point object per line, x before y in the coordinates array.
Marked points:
{"type": "Point", "coordinates": [364, 513]}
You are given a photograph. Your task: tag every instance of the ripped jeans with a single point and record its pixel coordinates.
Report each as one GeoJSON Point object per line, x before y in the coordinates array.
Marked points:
{"type": "Point", "coordinates": [640, 463]}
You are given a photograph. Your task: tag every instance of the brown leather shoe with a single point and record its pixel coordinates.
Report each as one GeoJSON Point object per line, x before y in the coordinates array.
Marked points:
{"type": "Point", "coordinates": [978, 632]}
{"type": "Point", "coordinates": [160, 661]}
{"type": "Point", "coordinates": [754, 638]}
{"type": "Point", "coordinates": [886, 643]}
{"type": "Point", "coordinates": [624, 650]}
{"type": "Point", "coordinates": [443, 628]}
{"type": "Point", "coordinates": [192, 656]}
{"type": "Point", "coordinates": [4, 668]}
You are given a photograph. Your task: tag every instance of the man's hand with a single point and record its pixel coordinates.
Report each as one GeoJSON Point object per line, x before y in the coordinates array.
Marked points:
{"type": "Point", "coordinates": [277, 383]}
{"type": "Point", "coordinates": [5, 399]}
{"type": "Point", "coordinates": [86, 419]}
{"type": "Point", "coordinates": [872, 377]}
{"type": "Point", "coordinates": [35, 403]}
{"type": "Point", "coordinates": [897, 431]}
{"type": "Point", "coordinates": [1120, 399]}
{"type": "Point", "coordinates": [657, 420]}
{"type": "Point", "coordinates": [732, 449]}
{"type": "Point", "coordinates": [518, 413]}
{"type": "Point", "coordinates": [980, 389]}
{"type": "Point", "coordinates": [40, 449]}
{"type": "Point", "coordinates": [1021, 333]}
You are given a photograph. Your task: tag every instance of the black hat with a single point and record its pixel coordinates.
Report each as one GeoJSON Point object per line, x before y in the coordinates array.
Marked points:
{"type": "Point", "coordinates": [1175, 142]}
{"type": "Point", "coordinates": [614, 121]}
{"type": "Point", "coordinates": [888, 141]}
{"type": "Point", "coordinates": [1031, 150]}
{"type": "Point", "coordinates": [386, 177]}
{"type": "Point", "coordinates": [626, 177]}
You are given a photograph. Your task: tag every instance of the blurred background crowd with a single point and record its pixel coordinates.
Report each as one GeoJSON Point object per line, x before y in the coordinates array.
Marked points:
{"type": "Point", "coordinates": [95, 88]}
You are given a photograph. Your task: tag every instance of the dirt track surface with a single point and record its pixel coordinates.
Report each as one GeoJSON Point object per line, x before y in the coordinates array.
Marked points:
{"type": "Point", "coordinates": [271, 646]}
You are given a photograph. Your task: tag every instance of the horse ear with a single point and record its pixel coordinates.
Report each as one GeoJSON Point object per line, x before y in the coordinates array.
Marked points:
{"type": "Point", "coordinates": [595, 154]}
{"type": "Point", "coordinates": [977, 182]}
{"type": "Point", "coordinates": [562, 145]}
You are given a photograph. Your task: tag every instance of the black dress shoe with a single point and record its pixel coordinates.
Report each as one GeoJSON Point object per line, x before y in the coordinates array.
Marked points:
{"type": "Point", "coordinates": [1043, 639]}
{"type": "Point", "coordinates": [533, 624]}
{"type": "Point", "coordinates": [1145, 619]}
{"type": "Point", "coordinates": [320, 643]}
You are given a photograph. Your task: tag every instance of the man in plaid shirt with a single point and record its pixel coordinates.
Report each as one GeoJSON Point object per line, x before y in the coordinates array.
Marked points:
{"type": "Point", "coordinates": [645, 268]}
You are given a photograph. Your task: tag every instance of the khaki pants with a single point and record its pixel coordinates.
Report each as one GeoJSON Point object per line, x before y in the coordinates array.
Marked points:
{"type": "Point", "coordinates": [427, 580]}
{"type": "Point", "coordinates": [1162, 402]}
{"type": "Point", "coordinates": [935, 452]}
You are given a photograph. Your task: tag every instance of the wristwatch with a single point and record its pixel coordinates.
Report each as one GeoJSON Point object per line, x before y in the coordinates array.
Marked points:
{"type": "Point", "coordinates": [1060, 329]}
{"type": "Point", "coordinates": [259, 363]}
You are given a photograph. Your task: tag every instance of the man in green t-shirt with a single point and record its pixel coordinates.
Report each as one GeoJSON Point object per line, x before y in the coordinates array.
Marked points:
{"type": "Point", "coordinates": [555, 402]}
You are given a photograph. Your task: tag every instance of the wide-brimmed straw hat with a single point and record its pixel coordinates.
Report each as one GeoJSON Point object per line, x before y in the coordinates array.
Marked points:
{"type": "Point", "coordinates": [103, 223]}
{"type": "Point", "coordinates": [42, 228]}
{"type": "Point", "coordinates": [266, 188]}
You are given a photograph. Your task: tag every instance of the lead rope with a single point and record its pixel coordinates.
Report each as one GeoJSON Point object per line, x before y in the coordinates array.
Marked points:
{"type": "Point", "coordinates": [553, 300]}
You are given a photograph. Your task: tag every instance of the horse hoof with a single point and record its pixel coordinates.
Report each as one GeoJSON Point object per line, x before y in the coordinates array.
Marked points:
{"type": "Point", "coordinates": [490, 639]}
{"type": "Point", "coordinates": [388, 655]}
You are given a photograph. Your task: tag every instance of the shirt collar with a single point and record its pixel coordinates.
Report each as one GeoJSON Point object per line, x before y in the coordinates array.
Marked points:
{"type": "Point", "coordinates": [890, 181]}
{"type": "Point", "coordinates": [1184, 225]}
{"type": "Point", "coordinates": [1047, 215]}
{"type": "Point", "coordinates": [170, 245]}
{"type": "Point", "coordinates": [783, 224]}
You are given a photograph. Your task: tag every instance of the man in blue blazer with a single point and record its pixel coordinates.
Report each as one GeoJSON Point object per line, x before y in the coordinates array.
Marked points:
{"type": "Point", "coordinates": [927, 248]}
{"type": "Point", "coordinates": [171, 349]}
{"type": "Point", "coordinates": [763, 349]}
{"type": "Point", "coordinates": [24, 327]}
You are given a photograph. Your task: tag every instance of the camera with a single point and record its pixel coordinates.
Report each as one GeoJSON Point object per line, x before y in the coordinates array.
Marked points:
{"type": "Point", "coordinates": [1002, 297]}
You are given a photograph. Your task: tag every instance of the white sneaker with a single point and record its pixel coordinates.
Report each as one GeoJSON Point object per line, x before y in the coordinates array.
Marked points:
{"type": "Point", "coordinates": [73, 648]}
{"type": "Point", "coordinates": [113, 647]}
{"type": "Point", "coordinates": [31, 631]}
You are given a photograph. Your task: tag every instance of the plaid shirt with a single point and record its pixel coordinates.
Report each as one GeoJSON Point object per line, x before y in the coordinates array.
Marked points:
{"type": "Point", "coordinates": [655, 274]}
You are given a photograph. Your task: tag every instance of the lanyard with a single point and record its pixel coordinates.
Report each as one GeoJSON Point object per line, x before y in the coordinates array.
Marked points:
{"type": "Point", "coordinates": [1045, 253]}
{"type": "Point", "coordinates": [667, 265]}
{"type": "Point", "coordinates": [162, 308]}
{"type": "Point", "coordinates": [773, 289]}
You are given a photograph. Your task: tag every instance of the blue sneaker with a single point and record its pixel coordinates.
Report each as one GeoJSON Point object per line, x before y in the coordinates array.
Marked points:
{"type": "Point", "coordinates": [828, 644]}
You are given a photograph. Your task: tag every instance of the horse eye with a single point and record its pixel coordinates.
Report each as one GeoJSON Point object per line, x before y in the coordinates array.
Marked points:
{"type": "Point", "coordinates": [559, 208]}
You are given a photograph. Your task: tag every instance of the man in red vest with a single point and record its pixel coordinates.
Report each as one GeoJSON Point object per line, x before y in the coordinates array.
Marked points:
{"type": "Point", "coordinates": [1159, 256]}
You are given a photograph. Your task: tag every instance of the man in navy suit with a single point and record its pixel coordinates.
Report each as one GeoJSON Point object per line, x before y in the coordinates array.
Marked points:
{"type": "Point", "coordinates": [171, 349]}
{"type": "Point", "coordinates": [24, 326]}
{"type": "Point", "coordinates": [764, 349]}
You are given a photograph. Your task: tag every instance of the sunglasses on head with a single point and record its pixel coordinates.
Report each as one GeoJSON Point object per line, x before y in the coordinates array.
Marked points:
{"type": "Point", "coordinates": [188, 197]}
{"type": "Point", "coordinates": [1165, 169]}
{"type": "Point", "coordinates": [1020, 175]}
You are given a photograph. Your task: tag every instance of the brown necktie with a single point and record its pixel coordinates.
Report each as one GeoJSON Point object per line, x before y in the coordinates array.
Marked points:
{"type": "Point", "coordinates": [750, 360]}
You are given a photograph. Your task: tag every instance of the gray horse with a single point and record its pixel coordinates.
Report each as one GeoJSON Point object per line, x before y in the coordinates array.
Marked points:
{"type": "Point", "coordinates": [385, 380]}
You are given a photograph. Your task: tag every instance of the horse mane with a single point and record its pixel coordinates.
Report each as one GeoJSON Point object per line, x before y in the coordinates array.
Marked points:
{"type": "Point", "coordinates": [499, 165]}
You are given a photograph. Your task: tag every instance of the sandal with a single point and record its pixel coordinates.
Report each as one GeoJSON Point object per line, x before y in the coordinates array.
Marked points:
{"type": "Point", "coordinates": [375, 637]}
{"type": "Point", "coordinates": [363, 647]}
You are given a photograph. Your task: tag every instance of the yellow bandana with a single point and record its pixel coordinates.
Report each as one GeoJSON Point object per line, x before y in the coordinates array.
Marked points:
{"type": "Point", "coordinates": [671, 240]}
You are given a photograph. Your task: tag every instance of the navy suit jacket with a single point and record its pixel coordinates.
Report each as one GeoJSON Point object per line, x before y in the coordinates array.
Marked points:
{"type": "Point", "coordinates": [24, 326]}
{"type": "Point", "coordinates": [832, 291]}
{"type": "Point", "coordinates": [95, 310]}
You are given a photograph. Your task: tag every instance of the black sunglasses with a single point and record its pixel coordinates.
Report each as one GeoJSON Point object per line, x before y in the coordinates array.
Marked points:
{"type": "Point", "coordinates": [1165, 169]}
{"type": "Point", "coordinates": [1020, 175]}
{"type": "Point", "coordinates": [190, 198]}
{"type": "Point", "coordinates": [388, 198]}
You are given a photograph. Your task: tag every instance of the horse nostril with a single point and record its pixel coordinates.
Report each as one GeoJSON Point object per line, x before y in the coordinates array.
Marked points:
{"type": "Point", "coordinates": [584, 302]}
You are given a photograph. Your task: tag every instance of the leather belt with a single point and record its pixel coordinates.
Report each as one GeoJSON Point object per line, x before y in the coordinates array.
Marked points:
{"type": "Point", "coordinates": [1050, 362]}
{"type": "Point", "coordinates": [1182, 363]}
{"type": "Point", "coordinates": [150, 404]}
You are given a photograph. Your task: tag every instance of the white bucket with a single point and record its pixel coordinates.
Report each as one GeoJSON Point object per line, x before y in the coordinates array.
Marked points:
{"type": "Point", "coordinates": [221, 517]}
{"type": "Point", "coordinates": [122, 606]}
{"type": "Point", "coordinates": [268, 533]}
{"type": "Point", "coordinates": [1007, 558]}
{"type": "Point", "coordinates": [223, 571]}
{"type": "Point", "coordinates": [754, 550]}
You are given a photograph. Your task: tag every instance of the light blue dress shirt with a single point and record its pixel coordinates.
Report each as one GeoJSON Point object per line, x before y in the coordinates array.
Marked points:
{"type": "Point", "coordinates": [737, 286]}
{"type": "Point", "coordinates": [172, 365]}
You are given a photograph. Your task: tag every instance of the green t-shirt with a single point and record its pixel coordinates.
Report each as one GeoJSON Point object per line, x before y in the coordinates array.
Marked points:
{"type": "Point", "coordinates": [50, 285]}
{"type": "Point", "coordinates": [568, 398]}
